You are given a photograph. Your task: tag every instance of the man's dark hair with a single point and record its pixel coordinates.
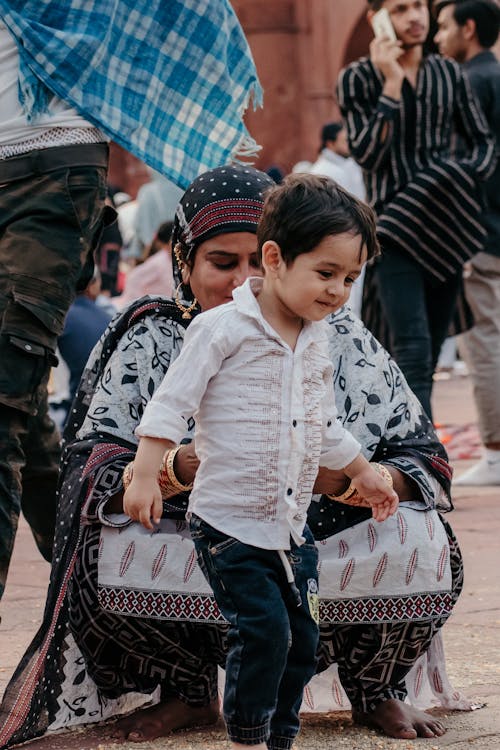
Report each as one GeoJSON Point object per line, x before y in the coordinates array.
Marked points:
{"type": "Point", "coordinates": [375, 4]}
{"type": "Point", "coordinates": [164, 231]}
{"type": "Point", "coordinates": [305, 209]}
{"type": "Point", "coordinates": [485, 14]}
{"type": "Point", "coordinates": [330, 132]}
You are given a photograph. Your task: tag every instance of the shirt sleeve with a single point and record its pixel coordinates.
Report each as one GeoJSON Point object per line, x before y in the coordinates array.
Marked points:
{"type": "Point", "coordinates": [339, 447]}
{"type": "Point", "coordinates": [183, 387]}
{"type": "Point", "coordinates": [370, 121]}
{"type": "Point", "coordinates": [481, 158]}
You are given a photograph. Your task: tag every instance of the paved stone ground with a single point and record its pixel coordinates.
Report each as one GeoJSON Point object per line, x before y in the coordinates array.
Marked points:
{"type": "Point", "coordinates": [472, 635]}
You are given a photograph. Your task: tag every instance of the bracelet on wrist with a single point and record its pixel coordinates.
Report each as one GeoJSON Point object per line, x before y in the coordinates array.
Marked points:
{"type": "Point", "coordinates": [344, 496]}
{"type": "Point", "coordinates": [349, 493]}
{"type": "Point", "coordinates": [127, 475]}
{"type": "Point", "coordinates": [167, 466]}
{"type": "Point", "coordinates": [384, 473]}
{"type": "Point", "coordinates": [167, 479]}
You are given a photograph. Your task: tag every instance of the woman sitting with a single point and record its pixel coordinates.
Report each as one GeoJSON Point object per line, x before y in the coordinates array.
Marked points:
{"type": "Point", "coordinates": [115, 636]}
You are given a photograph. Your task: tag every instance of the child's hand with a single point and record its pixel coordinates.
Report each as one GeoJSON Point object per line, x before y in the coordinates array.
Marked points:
{"type": "Point", "coordinates": [142, 501]}
{"type": "Point", "coordinates": [374, 489]}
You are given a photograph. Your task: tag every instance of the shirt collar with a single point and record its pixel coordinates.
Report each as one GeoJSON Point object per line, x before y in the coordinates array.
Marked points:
{"type": "Point", "coordinates": [245, 299]}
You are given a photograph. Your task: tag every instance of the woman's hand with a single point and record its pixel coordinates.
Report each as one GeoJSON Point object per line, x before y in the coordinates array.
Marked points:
{"type": "Point", "coordinates": [373, 487]}
{"type": "Point", "coordinates": [142, 501]}
{"type": "Point", "coordinates": [377, 492]}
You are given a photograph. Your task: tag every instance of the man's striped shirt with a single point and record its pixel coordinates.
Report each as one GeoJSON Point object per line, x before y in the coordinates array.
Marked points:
{"type": "Point", "coordinates": [428, 201]}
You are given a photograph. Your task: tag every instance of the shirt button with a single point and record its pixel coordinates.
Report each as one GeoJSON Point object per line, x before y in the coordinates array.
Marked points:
{"type": "Point", "coordinates": [294, 423]}
{"type": "Point", "coordinates": [289, 491]}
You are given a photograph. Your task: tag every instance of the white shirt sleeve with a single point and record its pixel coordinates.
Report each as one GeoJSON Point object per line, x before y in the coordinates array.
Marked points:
{"type": "Point", "coordinates": [183, 387]}
{"type": "Point", "coordinates": [339, 447]}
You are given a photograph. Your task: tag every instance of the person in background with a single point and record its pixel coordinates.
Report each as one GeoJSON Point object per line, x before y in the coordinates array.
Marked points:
{"type": "Point", "coordinates": [401, 108]}
{"type": "Point", "coordinates": [467, 30]}
{"type": "Point", "coordinates": [154, 274]}
{"type": "Point", "coordinates": [107, 256]}
{"type": "Point", "coordinates": [335, 161]}
{"type": "Point", "coordinates": [156, 204]}
{"type": "Point", "coordinates": [302, 167]}
{"type": "Point", "coordinates": [68, 85]}
{"type": "Point", "coordinates": [83, 327]}
{"type": "Point", "coordinates": [275, 173]}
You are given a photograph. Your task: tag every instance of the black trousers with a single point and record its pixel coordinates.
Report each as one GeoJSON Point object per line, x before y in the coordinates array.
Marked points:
{"type": "Point", "coordinates": [51, 216]}
{"type": "Point", "coordinates": [419, 310]}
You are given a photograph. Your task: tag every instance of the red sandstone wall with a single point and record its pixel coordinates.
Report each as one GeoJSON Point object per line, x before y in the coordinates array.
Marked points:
{"type": "Point", "coordinates": [299, 46]}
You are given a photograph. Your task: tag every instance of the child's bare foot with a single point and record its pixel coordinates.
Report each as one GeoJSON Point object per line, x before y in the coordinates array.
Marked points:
{"type": "Point", "coordinates": [160, 720]}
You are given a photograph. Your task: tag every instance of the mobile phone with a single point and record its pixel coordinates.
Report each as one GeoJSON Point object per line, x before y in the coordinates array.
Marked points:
{"type": "Point", "coordinates": [382, 25]}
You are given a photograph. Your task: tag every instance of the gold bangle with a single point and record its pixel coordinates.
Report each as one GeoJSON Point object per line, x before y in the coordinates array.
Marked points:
{"type": "Point", "coordinates": [384, 473]}
{"type": "Point", "coordinates": [351, 491]}
{"type": "Point", "coordinates": [127, 475]}
{"type": "Point", "coordinates": [344, 495]}
{"type": "Point", "coordinates": [168, 466]}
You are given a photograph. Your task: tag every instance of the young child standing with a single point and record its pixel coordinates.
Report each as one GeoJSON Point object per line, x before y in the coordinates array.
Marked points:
{"type": "Point", "coordinates": [259, 386]}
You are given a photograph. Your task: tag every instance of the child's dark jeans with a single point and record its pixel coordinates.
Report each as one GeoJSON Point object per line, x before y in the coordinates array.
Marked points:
{"type": "Point", "coordinates": [272, 641]}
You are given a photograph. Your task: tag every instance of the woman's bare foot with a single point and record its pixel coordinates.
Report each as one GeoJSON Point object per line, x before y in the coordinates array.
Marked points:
{"type": "Point", "coordinates": [399, 720]}
{"type": "Point", "coordinates": [160, 720]}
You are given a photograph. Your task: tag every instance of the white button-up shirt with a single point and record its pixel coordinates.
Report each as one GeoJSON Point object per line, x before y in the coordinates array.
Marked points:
{"type": "Point", "coordinates": [265, 420]}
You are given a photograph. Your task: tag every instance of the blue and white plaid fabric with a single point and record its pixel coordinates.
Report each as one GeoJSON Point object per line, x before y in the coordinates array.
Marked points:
{"type": "Point", "coordinates": [167, 79]}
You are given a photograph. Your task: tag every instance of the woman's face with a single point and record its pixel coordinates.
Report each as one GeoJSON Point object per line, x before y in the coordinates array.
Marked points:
{"type": "Point", "coordinates": [220, 265]}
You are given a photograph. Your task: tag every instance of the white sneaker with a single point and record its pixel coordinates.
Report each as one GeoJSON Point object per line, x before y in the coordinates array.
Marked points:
{"type": "Point", "coordinates": [484, 473]}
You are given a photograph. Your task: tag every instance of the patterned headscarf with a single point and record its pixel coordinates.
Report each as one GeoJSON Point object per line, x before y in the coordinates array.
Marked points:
{"type": "Point", "coordinates": [225, 199]}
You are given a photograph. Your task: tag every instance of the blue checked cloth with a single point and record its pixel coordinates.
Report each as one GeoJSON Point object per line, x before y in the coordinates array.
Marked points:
{"type": "Point", "coordinates": [169, 80]}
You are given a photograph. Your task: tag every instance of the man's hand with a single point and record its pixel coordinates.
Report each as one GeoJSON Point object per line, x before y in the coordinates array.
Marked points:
{"type": "Point", "coordinates": [384, 54]}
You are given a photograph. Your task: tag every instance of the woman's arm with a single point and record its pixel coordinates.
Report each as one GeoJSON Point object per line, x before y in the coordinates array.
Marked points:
{"type": "Point", "coordinates": [331, 482]}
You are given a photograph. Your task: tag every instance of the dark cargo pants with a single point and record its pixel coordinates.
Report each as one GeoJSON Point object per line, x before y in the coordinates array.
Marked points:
{"type": "Point", "coordinates": [51, 216]}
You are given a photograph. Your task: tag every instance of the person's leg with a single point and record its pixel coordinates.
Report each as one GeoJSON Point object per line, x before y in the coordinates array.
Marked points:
{"type": "Point", "coordinates": [49, 223]}
{"type": "Point", "coordinates": [301, 661]}
{"type": "Point", "coordinates": [248, 584]}
{"type": "Point", "coordinates": [401, 287]}
{"type": "Point", "coordinates": [42, 450]}
{"type": "Point", "coordinates": [13, 425]}
{"type": "Point", "coordinates": [374, 661]}
{"type": "Point", "coordinates": [441, 301]}
{"type": "Point", "coordinates": [131, 654]}
{"type": "Point", "coordinates": [481, 349]}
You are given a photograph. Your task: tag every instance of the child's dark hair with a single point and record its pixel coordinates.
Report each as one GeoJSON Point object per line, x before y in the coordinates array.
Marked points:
{"type": "Point", "coordinates": [305, 209]}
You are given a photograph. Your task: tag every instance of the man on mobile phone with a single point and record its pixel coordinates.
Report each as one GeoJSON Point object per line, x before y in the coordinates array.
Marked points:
{"type": "Point", "coordinates": [401, 108]}
{"type": "Point", "coordinates": [467, 30]}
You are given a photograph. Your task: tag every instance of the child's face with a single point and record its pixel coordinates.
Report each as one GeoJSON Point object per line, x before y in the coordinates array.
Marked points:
{"type": "Point", "coordinates": [319, 282]}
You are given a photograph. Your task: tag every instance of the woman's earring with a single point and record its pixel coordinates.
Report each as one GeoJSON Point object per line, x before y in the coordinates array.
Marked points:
{"type": "Point", "coordinates": [186, 311]}
{"type": "Point", "coordinates": [178, 256]}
